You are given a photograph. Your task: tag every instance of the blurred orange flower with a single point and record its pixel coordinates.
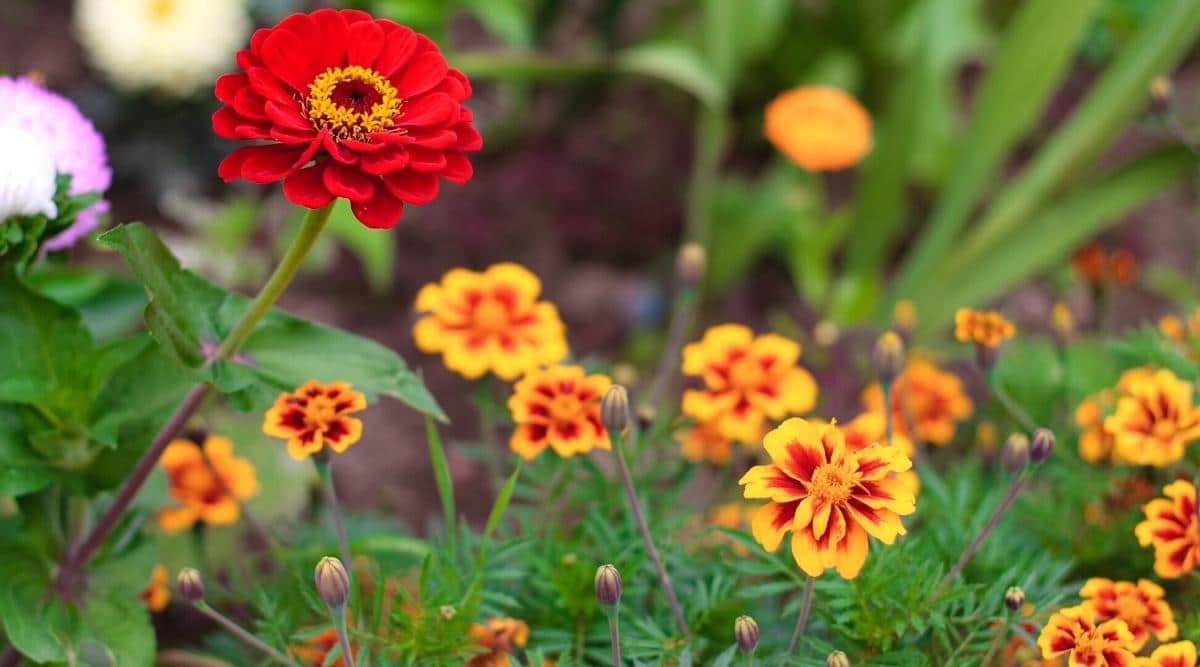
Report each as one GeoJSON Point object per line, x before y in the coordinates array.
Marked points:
{"type": "Point", "coordinates": [830, 497]}
{"type": "Point", "coordinates": [208, 483]}
{"type": "Point", "coordinates": [926, 402]}
{"type": "Point", "coordinates": [500, 636]}
{"type": "Point", "coordinates": [1140, 605]}
{"type": "Point", "coordinates": [704, 442]}
{"type": "Point", "coordinates": [157, 594]}
{"type": "Point", "coordinates": [820, 128]}
{"type": "Point", "coordinates": [1095, 443]}
{"type": "Point", "coordinates": [1178, 654]}
{"type": "Point", "coordinates": [489, 321]}
{"type": "Point", "coordinates": [315, 650]}
{"type": "Point", "coordinates": [1154, 420]}
{"type": "Point", "coordinates": [315, 415]}
{"type": "Point", "coordinates": [747, 380]}
{"type": "Point", "coordinates": [1073, 632]}
{"type": "Point", "coordinates": [1171, 528]}
{"type": "Point", "coordinates": [982, 327]}
{"type": "Point", "coordinates": [558, 407]}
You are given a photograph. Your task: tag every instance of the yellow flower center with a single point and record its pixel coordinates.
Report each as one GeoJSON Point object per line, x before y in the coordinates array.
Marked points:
{"type": "Point", "coordinates": [320, 411]}
{"type": "Point", "coordinates": [1090, 646]}
{"type": "Point", "coordinates": [490, 316]}
{"type": "Point", "coordinates": [831, 483]}
{"type": "Point", "coordinates": [566, 406]}
{"type": "Point", "coordinates": [352, 102]}
{"type": "Point", "coordinates": [161, 9]}
{"type": "Point", "coordinates": [1164, 430]}
{"type": "Point", "coordinates": [746, 373]}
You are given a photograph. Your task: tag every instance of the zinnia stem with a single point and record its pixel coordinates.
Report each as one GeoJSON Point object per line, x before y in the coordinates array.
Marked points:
{"type": "Point", "coordinates": [802, 622]}
{"type": "Point", "coordinates": [614, 635]}
{"type": "Point", "coordinates": [636, 508]}
{"type": "Point", "coordinates": [242, 634]}
{"type": "Point", "coordinates": [1013, 489]}
{"type": "Point", "coordinates": [79, 554]}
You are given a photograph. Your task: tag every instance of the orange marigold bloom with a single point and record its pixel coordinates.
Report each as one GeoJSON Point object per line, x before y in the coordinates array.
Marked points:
{"type": "Point", "coordinates": [1095, 442]}
{"type": "Point", "coordinates": [157, 594]}
{"type": "Point", "coordinates": [208, 483]}
{"type": "Point", "coordinates": [1178, 654]}
{"type": "Point", "coordinates": [1155, 420]}
{"type": "Point", "coordinates": [1171, 528]}
{"type": "Point", "coordinates": [1074, 633]}
{"type": "Point", "coordinates": [982, 327]}
{"type": "Point", "coordinates": [927, 402]}
{"type": "Point", "coordinates": [747, 380]}
{"type": "Point", "coordinates": [315, 415]}
{"type": "Point", "coordinates": [558, 407]}
{"type": "Point", "coordinates": [1090, 263]}
{"type": "Point", "coordinates": [704, 442]}
{"type": "Point", "coordinates": [489, 321]}
{"type": "Point", "coordinates": [829, 496]}
{"type": "Point", "coordinates": [820, 128]}
{"type": "Point", "coordinates": [1140, 605]}
{"type": "Point", "coordinates": [500, 636]}
{"type": "Point", "coordinates": [1172, 327]}
{"type": "Point", "coordinates": [315, 650]}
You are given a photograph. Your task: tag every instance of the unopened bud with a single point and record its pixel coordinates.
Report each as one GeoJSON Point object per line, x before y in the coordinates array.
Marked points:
{"type": "Point", "coordinates": [1161, 89]}
{"type": "Point", "coordinates": [608, 585]}
{"type": "Point", "coordinates": [646, 415]}
{"type": "Point", "coordinates": [614, 410]}
{"type": "Point", "coordinates": [448, 612]}
{"type": "Point", "coordinates": [888, 356]}
{"type": "Point", "coordinates": [190, 584]}
{"type": "Point", "coordinates": [1016, 452]}
{"type": "Point", "coordinates": [1062, 320]}
{"type": "Point", "coordinates": [837, 659]}
{"type": "Point", "coordinates": [826, 333]}
{"type": "Point", "coordinates": [691, 263]}
{"type": "Point", "coordinates": [745, 631]}
{"type": "Point", "coordinates": [333, 584]}
{"type": "Point", "coordinates": [1042, 445]}
{"type": "Point", "coordinates": [1014, 598]}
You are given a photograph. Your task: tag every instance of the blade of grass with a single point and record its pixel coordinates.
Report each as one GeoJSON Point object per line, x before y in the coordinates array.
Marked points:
{"type": "Point", "coordinates": [441, 475]}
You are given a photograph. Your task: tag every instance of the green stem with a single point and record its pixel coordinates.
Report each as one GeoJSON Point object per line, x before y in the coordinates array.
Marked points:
{"type": "Point", "coordinates": [339, 623]}
{"type": "Point", "coordinates": [242, 634]}
{"type": "Point", "coordinates": [1009, 404]}
{"type": "Point", "coordinates": [325, 470]}
{"type": "Point", "coordinates": [614, 635]}
{"type": "Point", "coordinates": [802, 622]}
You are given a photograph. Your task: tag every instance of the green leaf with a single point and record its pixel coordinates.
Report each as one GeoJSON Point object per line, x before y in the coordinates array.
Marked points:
{"type": "Point", "coordinates": [501, 503]}
{"type": "Point", "coordinates": [738, 30]}
{"type": "Point", "coordinates": [505, 19]}
{"type": "Point", "coordinates": [677, 64]}
{"type": "Point", "coordinates": [22, 470]}
{"type": "Point", "coordinates": [39, 627]}
{"type": "Point", "coordinates": [441, 475]}
{"type": "Point", "coordinates": [43, 345]}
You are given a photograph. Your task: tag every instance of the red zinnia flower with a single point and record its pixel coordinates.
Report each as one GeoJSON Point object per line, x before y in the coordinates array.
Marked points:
{"type": "Point", "coordinates": [349, 106]}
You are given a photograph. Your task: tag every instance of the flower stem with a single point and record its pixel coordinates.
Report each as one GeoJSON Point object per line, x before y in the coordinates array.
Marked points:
{"type": "Point", "coordinates": [886, 388]}
{"type": "Point", "coordinates": [802, 622]}
{"type": "Point", "coordinates": [614, 635]}
{"type": "Point", "coordinates": [242, 634]}
{"type": "Point", "coordinates": [78, 555]}
{"type": "Point", "coordinates": [749, 660]}
{"type": "Point", "coordinates": [325, 470]}
{"type": "Point", "coordinates": [1009, 404]}
{"type": "Point", "coordinates": [636, 508]}
{"type": "Point", "coordinates": [338, 616]}
{"type": "Point", "coordinates": [1014, 488]}
{"type": "Point", "coordinates": [677, 330]}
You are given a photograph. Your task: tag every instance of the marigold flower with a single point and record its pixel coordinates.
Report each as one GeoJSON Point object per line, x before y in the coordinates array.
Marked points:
{"type": "Point", "coordinates": [1090, 263]}
{"type": "Point", "coordinates": [820, 128]}
{"type": "Point", "coordinates": [747, 380]}
{"type": "Point", "coordinates": [1140, 605]}
{"type": "Point", "coordinates": [349, 106]}
{"type": "Point", "coordinates": [558, 407]}
{"type": "Point", "coordinates": [1155, 420]}
{"type": "Point", "coordinates": [982, 327]}
{"type": "Point", "coordinates": [1095, 442]}
{"type": "Point", "coordinates": [499, 636]}
{"type": "Point", "coordinates": [829, 496]}
{"type": "Point", "coordinates": [315, 415]}
{"type": "Point", "coordinates": [1073, 632]}
{"type": "Point", "coordinates": [704, 442]}
{"type": "Point", "coordinates": [209, 483]}
{"type": "Point", "coordinates": [1171, 528]}
{"type": "Point", "coordinates": [489, 322]}
{"type": "Point", "coordinates": [868, 429]}
{"type": "Point", "coordinates": [927, 402]}
{"type": "Point", "coordinates": [157, 594]}
{"type": "Point", "coordinates": [1178, 654]}
{"type": "Point", "coordinates": [1172, 327]}
{"type": "Point", "coordinates": [314, 651]}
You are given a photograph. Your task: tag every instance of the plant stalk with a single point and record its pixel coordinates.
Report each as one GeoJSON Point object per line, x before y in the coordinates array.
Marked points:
{"type": "Point", "coordinates": [802, 622]}
{"type": "Point", "coordinates": [325, 470]}
{"type": "Point", "coordinates": [614, 635]}
{"type": "Point", "coordinates": [1014, 488]}
{"type": "Point", "coordinates": [339, 624]}
{"type": "Point", "coordinates": [242, 634]}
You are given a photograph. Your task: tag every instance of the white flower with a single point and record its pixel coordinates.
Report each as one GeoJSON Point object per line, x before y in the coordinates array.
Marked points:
{"type": "Point", "coordinates": [174, 46]}
{"type": "Point", "coordinates": [27, 176]}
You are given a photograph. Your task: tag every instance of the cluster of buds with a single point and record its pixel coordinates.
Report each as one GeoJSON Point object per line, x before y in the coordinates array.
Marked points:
{"type": "Point", "coordinates": [1020, 449]}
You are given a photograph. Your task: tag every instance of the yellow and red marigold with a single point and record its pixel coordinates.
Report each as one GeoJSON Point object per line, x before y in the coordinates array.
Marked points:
{"type": "Point", "coordinates": [559, 408]}
{"type": "Point", "coordinates": [927, 402]}
{"type": "Point", "coordinates": [868, 429]}
{"type": "Point", "coordinates": [316, 415]}
{"type": "Point", "coordinates": [982, 327]}
{"type": "Point", "coordinates": [489, 321]}
{"type": "Point", "coordinates": [1171, 528]}
{"type": "Point", "coordinates": [1074, 633]}
{"type": "Point", "coordinates": [1177, 654]}
{"type": "Point", "coordinates": [157, 593]}
{"type": "Point", "coordinates": [820, 128]}
{"type": "Point", "coordinates": [1154, 420]}
{"type": "Point", "coordinates": [830, 497]}
{"type": "Point", "coordinates": [500, 637]}
{"type": "Point", "coordinates": [1140, 605]}
{"type": "Point", "coordinates": [208, 483]}
{"type": "Point", "coordinates": [747, 380]}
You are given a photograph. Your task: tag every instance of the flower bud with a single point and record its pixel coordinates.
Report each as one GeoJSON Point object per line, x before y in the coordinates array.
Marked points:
{"type": "Point", "coordinates": [826, 333]}
{"type": "Point", "coordinates": [448, 612]}
{"type": "Point", "coordinates": [614, 410]}
{"type": "Point", "coordinates": [608, 585]}
{"type": "Point", "coordinates": [333, 584]}
{"type": "Point", "coordinates": [1161, 89]}
{"type": "Point", "coordinates": [190, 584]}
{"type": "Point", "coordinates": [1042, 445]}
{"type": "Point", "coordinates": [1016, 452]}
{"type": "Point", "coordinates": [1062, 320]}
{"type": "Point", "coordinates": [888, 356]}
{"type": "Point", "coordinates": [745, 631]}
{"type": "Point", "coordinates": [837, 659]}
{"type": "Point", "coordinates": [691, 263]}
{"type": "Point", "coordinates": [1014, 598]}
